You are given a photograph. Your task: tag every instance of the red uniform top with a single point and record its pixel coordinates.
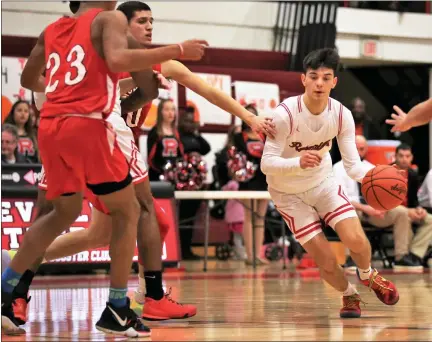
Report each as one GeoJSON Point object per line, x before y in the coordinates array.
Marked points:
{"type": "Point", "coordinates": [78, 80]}
{"type": "Point", "coordinates": [136, 119]}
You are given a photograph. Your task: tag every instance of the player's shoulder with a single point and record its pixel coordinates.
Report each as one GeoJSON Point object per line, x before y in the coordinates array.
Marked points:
{"type": "Point", "coordinates": [338, 107]}
{"type": "Point", "coordinates": [288, 108]}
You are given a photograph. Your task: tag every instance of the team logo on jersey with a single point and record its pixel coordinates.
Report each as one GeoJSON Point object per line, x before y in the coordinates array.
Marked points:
{"type": "Point", "coordinates": [170, 146]}
{"type": "Point", "coordinates": [255, 148]}
{"type": "Point", "coordinates": [299, 146]}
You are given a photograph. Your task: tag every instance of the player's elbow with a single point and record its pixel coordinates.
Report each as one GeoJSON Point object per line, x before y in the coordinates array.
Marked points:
{"type": "Point", "coordinates": [265, 165]}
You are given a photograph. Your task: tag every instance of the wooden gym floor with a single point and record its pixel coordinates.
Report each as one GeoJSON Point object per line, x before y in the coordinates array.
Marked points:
{"type": "Point", "coordinates": [237, 304]}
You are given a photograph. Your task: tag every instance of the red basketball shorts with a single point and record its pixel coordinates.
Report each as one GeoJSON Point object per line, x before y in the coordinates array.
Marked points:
{"type": "Point", "coordinates": [76, 152]}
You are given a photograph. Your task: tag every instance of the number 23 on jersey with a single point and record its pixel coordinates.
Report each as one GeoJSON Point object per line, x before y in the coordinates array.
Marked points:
{"type": "Point", "coordinates": [74, 61]}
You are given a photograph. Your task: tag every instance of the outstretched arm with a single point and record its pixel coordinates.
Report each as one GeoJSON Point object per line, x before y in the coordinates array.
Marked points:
{"type": "Point", "coordinates": [419, 115]}
{"type": "Point", "coordinates": [31, 77]}
{"type": "Point", "coordinates": [178, 72]}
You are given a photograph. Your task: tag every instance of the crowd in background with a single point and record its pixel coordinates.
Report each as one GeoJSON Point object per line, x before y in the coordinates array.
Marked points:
{"type": "Point", "coordinates": [172, 137]}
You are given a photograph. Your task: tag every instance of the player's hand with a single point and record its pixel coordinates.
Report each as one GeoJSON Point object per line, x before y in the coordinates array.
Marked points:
{"type": "Point", "coordinates": [310, 159]}
{"type": "Point", "coordinates": [263, 125]}
{"type": "Point", "coordinates": [413, 215]}
{"type": "Point", "coordinates": [368, 210]}
{"type": "Point", "coordinates": [163, 82]}
{"type": "Point", "coordinates": [398, 121]}
{"type": "Point", "coordinates": [421, 213]}
{"type": "Point", "coordinates": [193, 50]}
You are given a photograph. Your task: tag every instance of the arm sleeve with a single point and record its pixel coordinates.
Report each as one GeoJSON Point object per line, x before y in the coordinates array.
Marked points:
{"type": "Point", "coordinates": [272, 162]}
{"type": "Point", "coordinates": [346, 141]}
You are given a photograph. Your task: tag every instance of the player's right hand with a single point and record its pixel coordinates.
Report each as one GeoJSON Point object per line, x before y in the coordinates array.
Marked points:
{"type": "Point", "coordinates": [310, 159]}
{"type": "Point", "coordinates": [193, 50]}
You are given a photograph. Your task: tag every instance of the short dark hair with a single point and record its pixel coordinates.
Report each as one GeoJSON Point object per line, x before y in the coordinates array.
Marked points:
{"type": "Point", "coordinates": [327, 58]}
{"type": "Point", "coordinates": [130, 7]}
{"type": "Point", "coordinates": [74, 6]}
{"type": "Point", "coordinates": [403, 147]}
{"type": "Point", "coordinates": [12, 129]}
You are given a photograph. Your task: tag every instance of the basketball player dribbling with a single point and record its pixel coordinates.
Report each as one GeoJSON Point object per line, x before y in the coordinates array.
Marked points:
{"type": "Point", "coordinates": [79, 149]}
{"type": "Point", "coordinates": [298, 166]}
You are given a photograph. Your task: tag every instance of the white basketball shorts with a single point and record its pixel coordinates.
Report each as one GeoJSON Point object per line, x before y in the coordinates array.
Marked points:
{"type": "Point", "coordinates": [302, 211]}
{"type": "Point", "coordinates": [126, 142]}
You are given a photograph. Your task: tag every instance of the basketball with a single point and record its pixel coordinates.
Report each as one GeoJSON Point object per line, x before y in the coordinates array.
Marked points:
{"type": "Point", "coordinates": [384, 188]}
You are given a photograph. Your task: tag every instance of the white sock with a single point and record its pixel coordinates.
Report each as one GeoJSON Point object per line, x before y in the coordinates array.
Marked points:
{"type": "Point", "coordinates": [142, 284]}
{"type": "Point", "coordinates": [364, 274]}
{"type": "Point", "coordinates": [238, 241]}
{"type": "Point", "coordinates": [350, 290]}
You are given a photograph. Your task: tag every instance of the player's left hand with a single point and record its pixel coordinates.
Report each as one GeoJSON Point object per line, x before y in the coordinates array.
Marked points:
{"type": "Point", "coordinates": [398, 121]}
{"type": "Point", "coordinates": [163, 82]}
{"type": "Point", "coordinates": [261, 124]}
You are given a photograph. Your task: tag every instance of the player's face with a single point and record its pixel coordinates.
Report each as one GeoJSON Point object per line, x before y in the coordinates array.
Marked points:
{"type": "Point", "coordinates": [21, 114]}
{"type": "Point", "coordinates": [141, 27]}
{"type": "Point", "coordinates": [318, 83]}
{"type": "Point", "coordinates": [404, 159]}
{"type": "Point", "coordinates": [169, 112]}
{"type": "Point", "coordinates": [8, 144]}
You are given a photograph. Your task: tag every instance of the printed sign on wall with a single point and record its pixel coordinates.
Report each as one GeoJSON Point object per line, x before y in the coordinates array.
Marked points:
{"type": "Point", "coordinates": [11, 70]}
{"type": "Point", "coordinates": [206, 112]}
{"type": "Point", "coordinates": [265, 96]}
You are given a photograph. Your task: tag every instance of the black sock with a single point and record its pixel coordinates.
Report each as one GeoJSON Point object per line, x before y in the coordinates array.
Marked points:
{"type": "Point", "coordinates": [153, 280]}
{"type": "Point", "coordinates": [21, 290]}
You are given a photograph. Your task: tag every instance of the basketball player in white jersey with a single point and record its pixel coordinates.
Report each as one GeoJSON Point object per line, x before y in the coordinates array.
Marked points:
{"type": "Point", "coordinates": [298, 166]}
{"type": "Point", "coordinates": [419, 115]}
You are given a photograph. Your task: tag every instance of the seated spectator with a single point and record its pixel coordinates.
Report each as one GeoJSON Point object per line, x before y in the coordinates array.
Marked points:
{"type": "Point", "coordinates": [19, 116]}
{"type": "Point", "coordinates": [425, 193]}
{"type": "Point", "coordinates": [397, 217]}
{"type": "Point", "coordinates": [9, 146]}
{"type": "Point", "coordinates": [418, 215]}
{"type": "Point", "coordinates": [365, 124]}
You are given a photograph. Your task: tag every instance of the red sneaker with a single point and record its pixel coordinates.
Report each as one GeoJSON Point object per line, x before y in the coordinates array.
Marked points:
{"type": "Point", "coordinates": [351, 306]}
{"type": "Point", "coordinates": [166, 308]}
{"type": "Point", "coordinates": [19, 307]}
{"type": "Point", "coordinates": [383, 288]}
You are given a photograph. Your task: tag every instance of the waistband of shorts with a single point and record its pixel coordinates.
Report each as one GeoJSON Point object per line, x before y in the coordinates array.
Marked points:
{"type": "Point", "coordinates": [98, 116]}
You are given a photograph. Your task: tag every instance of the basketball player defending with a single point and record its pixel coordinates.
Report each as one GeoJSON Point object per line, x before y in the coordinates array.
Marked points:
{"type": "Point", "coordinates": [419, 115]}
{"type": "Point", "coordinates": [75, 141]}
{"type": "Point", "coordinates": [301, 184]}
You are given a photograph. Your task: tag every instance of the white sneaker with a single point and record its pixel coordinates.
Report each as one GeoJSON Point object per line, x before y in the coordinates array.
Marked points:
{"type": "Point", "coordinates": [139, 296]}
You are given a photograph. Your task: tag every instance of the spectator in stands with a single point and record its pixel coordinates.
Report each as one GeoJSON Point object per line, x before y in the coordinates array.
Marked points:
{"type": "Point", "coordinates": [249, 143]}
{"type": "Point", "coordinates": [418, 215]}
{"type": "Point", "coordinates": [365, 124]}
{"type": "Point", "coordinates": [163, 141]}
{"type": "Point", "coordinates": [9, 146]}
{"type": "Point", "coordinates": [192, 141]}
{"type": "Point", "coordinates": [425, 193]}
{"type": "Point", "coordinates": [397, 217]}
{"type": "Point", "coordinates": [20, 117]}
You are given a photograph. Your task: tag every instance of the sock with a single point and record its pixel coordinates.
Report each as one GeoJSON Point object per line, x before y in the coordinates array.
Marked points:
{"type": "Point", "coordinates": [364, 274]}
{"type": "Point", "coordinates": [238, 241]}
{"type": "Point", "coordinates": [350, 290]}
{"type": "Point", "coordinates": [117, 297]}
{"type": "Point", "coordinates": [153, 284]}
{"type": "Point", "coordinates": [141, 284]}
{"type": "Point", "coordinates": [10, 279]}
{"type": "Point", "coordinates": [24, 284]}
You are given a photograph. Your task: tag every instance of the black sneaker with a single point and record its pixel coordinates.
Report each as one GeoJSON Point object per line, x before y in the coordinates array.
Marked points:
{"type": "Point", "coordinates": [9, 323]}
{"type": "Point", "coordinates": [407, 264]}
{"type": "Point", "coordinates": [122, 321]}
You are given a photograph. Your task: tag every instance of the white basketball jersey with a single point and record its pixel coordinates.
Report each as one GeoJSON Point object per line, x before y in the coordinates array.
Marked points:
{"type": "Point", "coordinates": [300, 131]}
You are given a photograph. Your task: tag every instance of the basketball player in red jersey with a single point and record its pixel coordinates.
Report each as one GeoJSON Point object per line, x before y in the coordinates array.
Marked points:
{"type": "Point", "coordinates": [82, 54]}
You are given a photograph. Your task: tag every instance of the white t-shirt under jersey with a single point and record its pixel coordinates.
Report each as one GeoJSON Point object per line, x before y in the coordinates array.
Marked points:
{"type": "Point", "coordinates": [299, 131]}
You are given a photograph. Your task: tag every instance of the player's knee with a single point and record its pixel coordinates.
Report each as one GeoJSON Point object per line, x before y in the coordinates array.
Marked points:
{"type": "Point", "coordinates": [68, 210]}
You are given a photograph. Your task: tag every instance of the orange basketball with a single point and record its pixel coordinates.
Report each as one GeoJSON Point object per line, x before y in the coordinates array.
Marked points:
{"type": "Point", "coordinates": [384, 188]}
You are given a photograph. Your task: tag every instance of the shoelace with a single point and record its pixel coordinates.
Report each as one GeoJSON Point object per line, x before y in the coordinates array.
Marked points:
{"type": "Point", "coordinates": [378, 280]}
{"type": "Point", "coordinates": [168, 296]}
{"type": "Point", "coordinates": [352, 301]}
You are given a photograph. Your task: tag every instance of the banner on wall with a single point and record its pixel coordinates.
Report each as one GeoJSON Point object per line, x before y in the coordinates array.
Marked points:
{"type": "Point", "coordinates": [17, 215]}
{"type": "Point", "coordinates": [11, 70]}
{"type": "Point", "coordinates": [172, 94]}
{"type": "Point", "coordinates": [265, 96]}
{"type": "Point", "coordinates": [206, 112]}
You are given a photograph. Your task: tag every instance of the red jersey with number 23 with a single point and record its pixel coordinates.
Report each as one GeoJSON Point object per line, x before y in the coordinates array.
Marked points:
{"type": "Point", "coordinates": [136, 119]}
{"type": "Point", "coordinates": [78, 80]}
